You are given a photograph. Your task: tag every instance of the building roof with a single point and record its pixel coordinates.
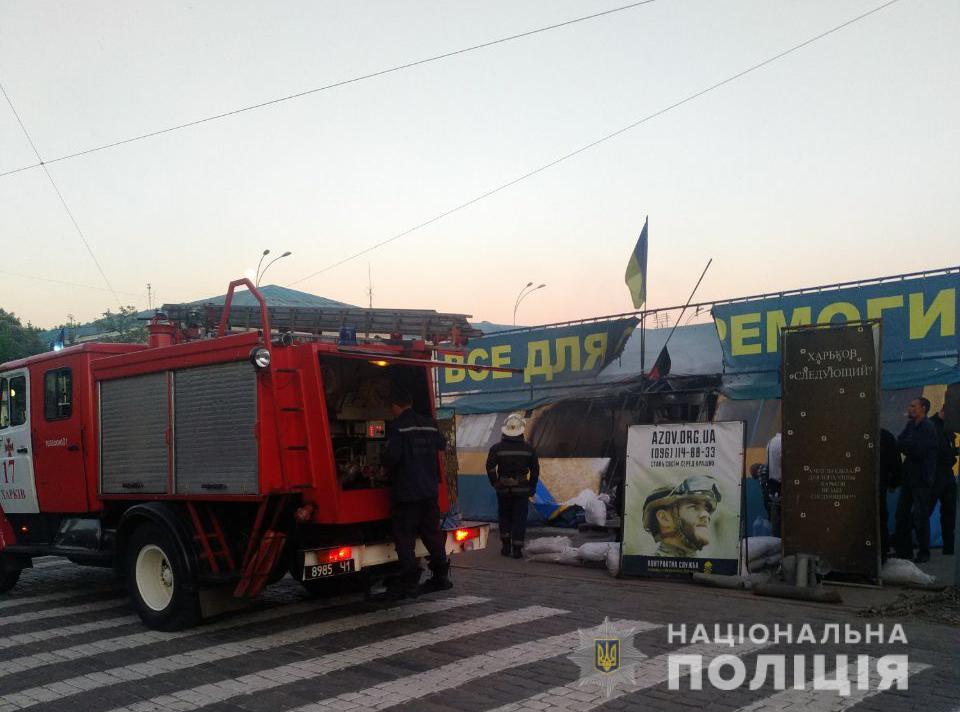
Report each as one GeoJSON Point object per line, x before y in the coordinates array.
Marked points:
{"type": "Point", "coordinates": [276, 296]}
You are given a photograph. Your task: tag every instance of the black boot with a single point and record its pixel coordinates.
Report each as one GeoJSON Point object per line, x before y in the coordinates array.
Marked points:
{"type": "Point", "coordinates": [518, 551]}
{"type": "Point", "coordinates": [440, 581]}
{"type": "Point", "coordinates": [505, 546]}
{"type": "Point", "coordinates": [402, 587]}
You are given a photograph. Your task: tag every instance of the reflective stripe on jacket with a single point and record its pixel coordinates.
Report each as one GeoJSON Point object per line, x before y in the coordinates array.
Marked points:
{"type": "Point", "coordinates": [513, 466]}
{"type": "Point", "coordinates": [413, 442]}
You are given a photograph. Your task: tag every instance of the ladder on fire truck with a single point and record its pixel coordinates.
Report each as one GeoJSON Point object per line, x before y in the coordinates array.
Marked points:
{"type": "Point", "coordinates": [426, 324]}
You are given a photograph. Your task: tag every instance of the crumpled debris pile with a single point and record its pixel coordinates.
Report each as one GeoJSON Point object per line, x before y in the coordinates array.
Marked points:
{"type": "Point", "coordinates": [594, 506]}
{"type": "Point", "coordinates": [941, 607]}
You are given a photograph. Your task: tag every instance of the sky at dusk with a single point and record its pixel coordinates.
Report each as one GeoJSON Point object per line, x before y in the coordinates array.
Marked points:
{"type": "Point", "coordinates": [837, 162]}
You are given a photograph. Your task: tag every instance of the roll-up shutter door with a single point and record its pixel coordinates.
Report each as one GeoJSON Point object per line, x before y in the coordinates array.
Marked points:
{"type": "Point", "coordinates": [215, 411]}
{"type": "Point", "coordinates": [134, 457]}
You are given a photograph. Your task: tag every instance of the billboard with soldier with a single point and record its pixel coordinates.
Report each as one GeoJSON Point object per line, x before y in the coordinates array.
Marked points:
{"type": "Point", "coordinates": [683, 498]}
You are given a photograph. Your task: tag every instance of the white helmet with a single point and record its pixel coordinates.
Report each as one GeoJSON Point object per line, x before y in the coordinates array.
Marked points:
{"type": "Point", "coordinates": [513, 425]}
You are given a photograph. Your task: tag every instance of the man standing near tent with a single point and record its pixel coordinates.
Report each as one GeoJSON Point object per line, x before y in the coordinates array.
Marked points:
{"type": "Point", "coordinates": [918, 445]}
{"type": "Point", "coordinates": [513, 469]}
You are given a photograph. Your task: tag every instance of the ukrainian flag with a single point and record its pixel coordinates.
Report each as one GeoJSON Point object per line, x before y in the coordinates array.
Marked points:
{"type": "Point", "coordinates": [636, 277]}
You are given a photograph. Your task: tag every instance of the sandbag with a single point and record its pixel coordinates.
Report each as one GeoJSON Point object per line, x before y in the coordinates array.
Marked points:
{"type": "Point", "coordinates": [760, 547]}
{"type": "Point", "coordinates": [570, 555]}
{"type": "Point", "coordinates": [547, 545]}
{"type": "Point", "coordinates": [594, 551]}
{"type": "Point", "coordinates": [596, 512]}
{"type": "Point", "coordinates": [770, 562]}
{"type": "Point", "coordinates": [582, 498]}
{"type": "Point", "coordinates": [613, 558]}
{"type": "Point", "coordinates": [904, 571]}
{"type": "Point", "coordinates": [593, 505]}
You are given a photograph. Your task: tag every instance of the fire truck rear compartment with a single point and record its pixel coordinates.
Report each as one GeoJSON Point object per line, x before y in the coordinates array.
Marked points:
{"type": "Point", "coordinates": [357, 395]}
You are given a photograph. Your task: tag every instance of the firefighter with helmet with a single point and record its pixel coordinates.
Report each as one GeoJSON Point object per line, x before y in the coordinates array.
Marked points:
{"type": "Point", "coordinates": [513, 469]}
{"type": "Point", "coordinates": [679, 517]}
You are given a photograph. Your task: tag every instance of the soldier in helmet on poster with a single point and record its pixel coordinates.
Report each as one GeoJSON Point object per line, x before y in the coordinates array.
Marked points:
{"type": "Point", "coordinates": [679, 518]}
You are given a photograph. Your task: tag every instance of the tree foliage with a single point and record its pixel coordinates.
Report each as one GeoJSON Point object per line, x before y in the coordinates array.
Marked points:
{"type": "Point", "coordinates": [16, 340]}
{"type": "Point", "coordinates": [122, 327]}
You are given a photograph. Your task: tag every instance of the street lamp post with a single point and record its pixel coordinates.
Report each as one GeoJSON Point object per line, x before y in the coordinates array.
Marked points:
{"type": "Point", "coordinates": [523, 295]}
{"type": "Point", "coordinates": [285, 254]}
{"type": "Point", "coordinates": [256, 279]}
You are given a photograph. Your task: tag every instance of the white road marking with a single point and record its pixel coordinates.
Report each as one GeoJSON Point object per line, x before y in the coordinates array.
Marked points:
{"type": "Point", "coordinates": [651, 672]}
{"type": "Point", "coordinates": [145, 637]}
{"type": "Point", "coordinates": [203, 695]}
{"type": "Point", "coordinates": [223, 651]}
{"type": "Point", "coordinates": [50, 563]}
{"type": "Point", "coordinates": [62, 611]}
{"type": "Point", "coordinates": [826, 700]}
{"type": "Point", "coordinates": [29, 600]}
{"type": "Point", "coordinates": [459, 672]}
{"type": "Point", "coordinates": [12, 641]}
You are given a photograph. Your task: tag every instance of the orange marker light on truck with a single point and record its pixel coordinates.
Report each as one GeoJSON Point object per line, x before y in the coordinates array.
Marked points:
{"type": "Point", "coordinates": [464, 534]}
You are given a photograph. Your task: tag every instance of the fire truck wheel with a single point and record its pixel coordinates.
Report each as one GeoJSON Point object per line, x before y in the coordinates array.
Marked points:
{"type": "Point", "coordinates": [158, 580]}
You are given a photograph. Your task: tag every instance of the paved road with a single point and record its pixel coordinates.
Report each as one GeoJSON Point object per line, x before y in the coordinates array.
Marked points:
{"type": "Point", "coordinates": [498, 641]}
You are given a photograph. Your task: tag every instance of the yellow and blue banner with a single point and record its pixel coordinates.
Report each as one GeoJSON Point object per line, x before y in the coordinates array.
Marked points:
{"type": "Point", "coordinates": [919, 335]}
{"type": "Point", "coordinates": [544, 356]}
{"type": "Point", "coordinates": [636, 276]}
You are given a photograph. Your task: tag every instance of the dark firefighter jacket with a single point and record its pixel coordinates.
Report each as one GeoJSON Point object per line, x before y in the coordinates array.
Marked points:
{"type": "Point", "coordinates": [413, 441]}
{"type": "Point", "coordinates": [513, 467]}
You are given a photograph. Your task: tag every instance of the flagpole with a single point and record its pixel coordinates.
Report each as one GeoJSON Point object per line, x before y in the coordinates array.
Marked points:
{"type": "Point", "coordinates": [643, 347]}
{"type": "Point", "coordinates": [690, 299]}
{"type": "Point", "coordinates": [646, 291]}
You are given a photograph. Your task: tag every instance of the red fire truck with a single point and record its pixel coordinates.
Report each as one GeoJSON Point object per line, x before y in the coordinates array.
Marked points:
{"type": "Point", "coordinates": [215, 457]}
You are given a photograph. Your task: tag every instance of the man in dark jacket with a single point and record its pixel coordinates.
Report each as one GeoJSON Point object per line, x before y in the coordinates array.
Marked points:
{"type": "Point", "coordinates": [918, 444]}
{"type": "Point", "coordinates": [945, 485]}
{"type": "Point", "coordinates": [513, 469]}
{"type": "Point", "coordinates": [413, 446]}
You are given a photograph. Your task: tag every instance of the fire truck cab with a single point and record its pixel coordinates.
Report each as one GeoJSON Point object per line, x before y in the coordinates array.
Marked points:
{"type": "Point", "coordinates": [232, 459]}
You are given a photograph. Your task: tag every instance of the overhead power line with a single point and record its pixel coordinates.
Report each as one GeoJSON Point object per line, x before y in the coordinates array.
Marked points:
{"type": "Point", "coordinates": [65, 282]}
{"type": "Point", "coordinates": [327, 87]}
{"type": "Point", "coordinates": [63, 202]}
{"type": "Point", "coordinates": [599, 141]}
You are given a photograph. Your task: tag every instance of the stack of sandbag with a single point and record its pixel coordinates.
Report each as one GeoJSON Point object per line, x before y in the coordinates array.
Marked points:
{"type": "Point", "coordinates": [552, 549]}
{"type": "Point", "coordinates": [759, 553]}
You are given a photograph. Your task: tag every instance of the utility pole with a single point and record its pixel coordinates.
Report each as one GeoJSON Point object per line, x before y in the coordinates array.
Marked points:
{"type": "Point", "coordinates": [149, 296]}
{"type": "Point", "coordinates": [369, 287]}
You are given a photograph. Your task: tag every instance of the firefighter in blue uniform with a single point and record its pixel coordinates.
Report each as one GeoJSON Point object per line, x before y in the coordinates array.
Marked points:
{"type": "Point", "coordinates": [413, 446]}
